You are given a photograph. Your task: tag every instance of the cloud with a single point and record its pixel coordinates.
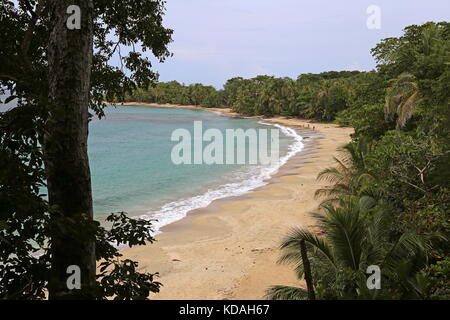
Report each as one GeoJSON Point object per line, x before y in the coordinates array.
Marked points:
{"type": "Point", "coordinates": [216, 40]}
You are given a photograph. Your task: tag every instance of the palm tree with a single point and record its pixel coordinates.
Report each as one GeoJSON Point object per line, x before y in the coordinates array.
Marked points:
{"type": "Point", "coordinates": [402, 99]}
{"type": "Point", "coordinates": [349, 177]}
{"type": "Point", "coordinates": [432, 41]}
{"type": "Point", "coordinates": [354, 239]}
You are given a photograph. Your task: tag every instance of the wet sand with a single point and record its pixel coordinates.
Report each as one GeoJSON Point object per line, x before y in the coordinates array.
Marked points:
{"type": "Point", "coordinates": [229, 250]}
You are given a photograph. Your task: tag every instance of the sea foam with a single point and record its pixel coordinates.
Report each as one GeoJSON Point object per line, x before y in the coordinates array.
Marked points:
{"type": "Point", "coordinates": [250, 178]}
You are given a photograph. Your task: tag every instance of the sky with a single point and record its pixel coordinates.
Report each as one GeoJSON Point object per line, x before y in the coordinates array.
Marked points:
{"type": "Point", "coordinates": [215, 40]}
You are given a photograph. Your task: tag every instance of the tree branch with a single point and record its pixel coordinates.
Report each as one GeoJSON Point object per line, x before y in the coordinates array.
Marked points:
{"type": "Point", "coordinates": [29, 33]}
{"type": "Point", "coordinates": [8, 77]}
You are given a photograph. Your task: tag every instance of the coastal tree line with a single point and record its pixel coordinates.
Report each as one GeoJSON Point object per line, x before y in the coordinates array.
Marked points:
{"type": "Point", "coordinates": [314, 96]}
{"type": "Point", "coordinates": [388, 202]}
{"type": "Point", "coordinates": [388, 205]}
{"type": "Point", "coordinates": [175, 93]}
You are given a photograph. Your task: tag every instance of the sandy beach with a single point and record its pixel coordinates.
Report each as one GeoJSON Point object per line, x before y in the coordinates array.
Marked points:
{"type": "Point", "coordinates": [229, 250]}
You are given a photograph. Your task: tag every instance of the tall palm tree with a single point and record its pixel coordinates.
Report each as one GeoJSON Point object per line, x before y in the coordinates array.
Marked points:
{"type": "Point", "coordinates": [402, 99]}
{"type": "Point", "coordinates": [354, 240]}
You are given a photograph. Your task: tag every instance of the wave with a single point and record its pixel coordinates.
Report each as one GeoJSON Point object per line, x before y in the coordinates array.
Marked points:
{"type": "Point", "coordinates": [249, 179]}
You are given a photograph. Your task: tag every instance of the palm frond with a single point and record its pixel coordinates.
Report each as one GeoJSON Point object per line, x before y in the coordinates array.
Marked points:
{"type": "Point", "coordinates": [408, 246]}
{"type": "Point", "coordinates": [291, 246]}
{"type": "Point", "coordinates": [377, 234]}
{"type": "Point", "coordinates": [336, 191]}
{"type": "Point", "coordinates": [366, 203]}
{"type": "Point", "coordinates": [406, 109]}
{"type": "Point", "coordinates": [346, 230]}
{"type": "Point", "coordinates": [402, 98]}
{"type": "Point", "coordinates": [332, 175]}
{"type": "Point", "coordinates": [286, 293]}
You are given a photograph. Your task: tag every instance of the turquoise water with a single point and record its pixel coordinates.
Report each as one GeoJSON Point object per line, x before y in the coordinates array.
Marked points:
{"type": "Point", "coordinates": [131, 167]}
{"type": "Point", "coordinates": [130, 158]}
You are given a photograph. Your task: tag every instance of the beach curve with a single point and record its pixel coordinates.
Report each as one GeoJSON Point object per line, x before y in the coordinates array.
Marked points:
{"type": "Point", "coordinates": [229, 249]}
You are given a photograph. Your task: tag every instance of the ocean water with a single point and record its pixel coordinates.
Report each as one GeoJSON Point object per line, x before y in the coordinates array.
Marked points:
{"type": "Point", "coordinates": [132, 171]}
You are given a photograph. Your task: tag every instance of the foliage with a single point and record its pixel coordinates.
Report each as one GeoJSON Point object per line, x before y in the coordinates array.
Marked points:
{"type": "Point", "coordinates": [350, 178]}
{"type": "Point", "coordinates": [407, 165]}
{"type": "Point", "coordinates": [120, 279]}
{"type": "Point", "coordinates": [437, 275]}
{"type": "Point", "coordinates": [318, 97]}
{"type": "Point", "coordinates": [27, 219]}
{"type": "Point", "coordinates": [24, 275]}
{"type": "Point", "coordinates": [388, 204]}
{"type": "Point", "coordinates": [369, 121]}
{"type": "Point", "coordinates": [355, 238]}
{"type": "Point", "coordinates": [402, 99]}
{"type": "Point", "coordinates": [176, 93]}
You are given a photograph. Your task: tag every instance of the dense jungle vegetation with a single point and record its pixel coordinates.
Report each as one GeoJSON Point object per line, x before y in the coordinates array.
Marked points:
{"type": "Point", "coordinates": [389, 200]}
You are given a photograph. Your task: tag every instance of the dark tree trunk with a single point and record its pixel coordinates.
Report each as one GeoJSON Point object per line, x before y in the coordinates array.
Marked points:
{"type": "Point", "coordinates": [65, 149]}
{"type": "Point", "coordinates": [307, 270]}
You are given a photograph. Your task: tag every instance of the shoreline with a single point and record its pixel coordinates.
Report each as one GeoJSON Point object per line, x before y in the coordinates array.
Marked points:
{"type": "Point", "coordinates": [224, 111]}
{"type": "Point", "coordinates": [229, 249]}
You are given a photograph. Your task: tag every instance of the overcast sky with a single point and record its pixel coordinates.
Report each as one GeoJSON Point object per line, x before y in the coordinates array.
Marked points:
{"type": "Point", "coordinates": [215, 40]}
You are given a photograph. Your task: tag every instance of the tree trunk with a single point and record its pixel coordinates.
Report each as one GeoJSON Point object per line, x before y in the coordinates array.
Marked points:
{"type": "Point", "coordinates": [307, 271]}
{"type": "Point", "coordinates": [65, 150]}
